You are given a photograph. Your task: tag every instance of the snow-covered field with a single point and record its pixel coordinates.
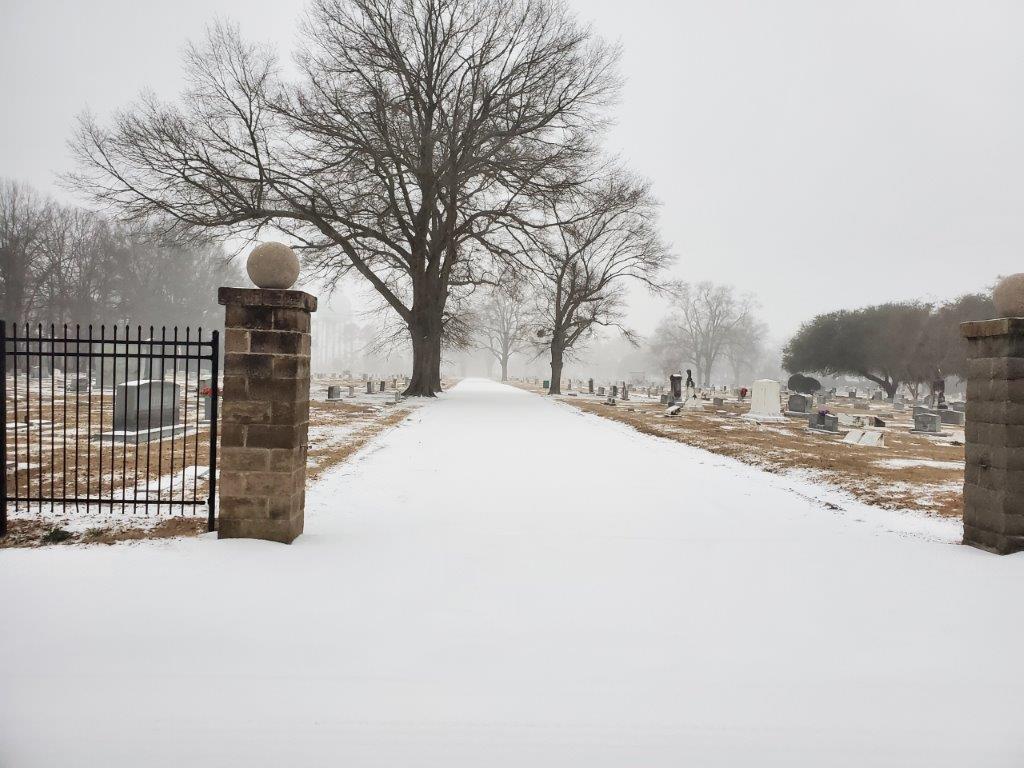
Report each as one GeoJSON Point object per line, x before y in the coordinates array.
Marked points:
{"type": "Point", "coordinates": [505, 581]}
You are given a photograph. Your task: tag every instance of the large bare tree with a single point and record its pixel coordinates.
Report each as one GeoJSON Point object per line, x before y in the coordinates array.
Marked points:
{"type": "Point", "coordinates": [589, 245]}
{"type": "Point", "coordinates": [416, 131]}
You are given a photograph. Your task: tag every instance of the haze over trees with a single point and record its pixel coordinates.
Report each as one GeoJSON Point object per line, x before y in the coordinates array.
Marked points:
{"type": "Point", "coordinates": [503, 324]}
{"type": "Point", "coordinates": [895, 344]}
{"type": "Point", "coordinates": [415, 133]}
{"type": "Point", "coordinates": [709, 322]}
{"type": "Point", "coordinates": [62, 264]}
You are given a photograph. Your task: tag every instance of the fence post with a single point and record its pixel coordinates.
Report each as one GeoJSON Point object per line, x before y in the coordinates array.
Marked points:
{"type": "Point", "coordinates": [3, 429]}
{"type": "Point", "coordinates": [265, 413]}
{"type": "Point", "coordinates": [994, 473]}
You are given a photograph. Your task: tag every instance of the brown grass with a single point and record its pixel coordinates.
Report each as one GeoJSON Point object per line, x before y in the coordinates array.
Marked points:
{"type": "Point", "coordinates": [32, 533]}
{"type": "Point", "coordinates": [790, 445]}
{"type": "Point", "coordinates": [371, 420]}
{"type": "Point", "coordinates": [329, 456]}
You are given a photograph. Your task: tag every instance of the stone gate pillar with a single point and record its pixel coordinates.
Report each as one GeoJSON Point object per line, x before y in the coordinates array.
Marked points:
{"type": "Point", "coordinates": [994, 476]}
{"type": "Point", "coordinates": [265, 413]}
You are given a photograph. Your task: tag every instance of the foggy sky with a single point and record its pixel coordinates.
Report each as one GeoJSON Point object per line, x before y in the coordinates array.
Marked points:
{"type": "Point", "coordinates": [819, 154]}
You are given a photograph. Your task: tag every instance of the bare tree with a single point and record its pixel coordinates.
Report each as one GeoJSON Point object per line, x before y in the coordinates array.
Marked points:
{"type": "Point", "coordinates": [419, 128]}
{"type": "Point", "coordinates": [503, 324]}
{"type": "Point", "coordinates": [24, 219]}
{"type": "Point", "coordinates": [706, 319]}
{"type": "Point", "coordinates": [62, 264]}
{"type": "Point", "coordinates": [589, 244]}
{"type": "Point", "coordinates": [744, 347]}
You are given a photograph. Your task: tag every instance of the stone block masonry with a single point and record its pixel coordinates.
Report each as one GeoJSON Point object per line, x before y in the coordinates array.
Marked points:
{"type": "Point", "coordinates": [265, 413]}
{"type": "Point", "coordinates": [994, 474]}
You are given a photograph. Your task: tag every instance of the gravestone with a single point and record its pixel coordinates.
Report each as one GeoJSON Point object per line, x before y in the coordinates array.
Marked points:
{"type": "Point", "coordinates": [823, 422]}
{"type": "Point", "coordinates": [600, 391]}
{"type": "Point", "coordinates": [76, 383]}
{"type": "Point", "coordinates": [590, 386]}
{"type": "Point", "coordinates": [383, 386]}
{"type": "Point", "coordinates": [927, 423]}
{"type": "Point", "coordinates": [865, 437]}
{"type": "Point", "coordinates": [334, 393]}
{"type": "Point", "coordinates": [145, 410]}
{"type": "Point", "coordinates": [675, 382]}
{"type": "Point", "coordinates": [369, 387]}
{"type": "Point", "coordinates": [615, 390]}
{"type": "Point", "coordinates": [718, 402]}
{"type": "Point", "coordinates": [351, 390]}
{"type": "Point", "coordinates": [798, 405]}
{"type": "Point", "coordinates": [765, 401]}
{"type": "Point", "coordinates": [949, 416]}
{"type": "Point", "coordinates": [546, 384]}
{"type": "Point", "coordinates": [961, 407]}
{"type": "Point", "coordinates": [876, 395]}
{"type": "Point", "coordinates": [664, 399]}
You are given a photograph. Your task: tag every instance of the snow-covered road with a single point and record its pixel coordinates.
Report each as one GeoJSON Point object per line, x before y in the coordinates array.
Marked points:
{"type": "Point", "coordinates": [503, 581]}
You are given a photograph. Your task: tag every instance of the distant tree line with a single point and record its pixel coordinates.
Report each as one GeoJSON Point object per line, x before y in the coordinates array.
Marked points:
{"type": "Point", "coordinates": [63, 264]}
{"type": "Point", "coordinates": [912, 344]}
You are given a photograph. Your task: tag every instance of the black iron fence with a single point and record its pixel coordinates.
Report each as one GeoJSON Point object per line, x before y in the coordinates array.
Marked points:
{"type": "Point", "coordinates": [115, 420]}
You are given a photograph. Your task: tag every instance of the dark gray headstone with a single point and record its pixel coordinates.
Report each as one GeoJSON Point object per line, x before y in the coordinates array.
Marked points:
{"type": "Point", "coordinates": [676, 384]}
{"type": "Point", "coordinates": [798, 403]}
{"type": "Point", "coordinates": [948, 416]}
{"type": "Point", "coordinates": [144, 405]}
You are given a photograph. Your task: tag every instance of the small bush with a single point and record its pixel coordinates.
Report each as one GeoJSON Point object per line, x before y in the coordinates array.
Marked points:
{"type": "Point", "coordinates": [56, 536]}
{"type": "Point", "coordinates": [805, 385]}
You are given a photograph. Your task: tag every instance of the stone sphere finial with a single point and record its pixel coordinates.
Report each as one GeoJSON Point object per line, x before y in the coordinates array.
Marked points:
{"type": "Point", "coordinates": [1009, 296]}
{"type": "Point", "coordinates": [273, 265]}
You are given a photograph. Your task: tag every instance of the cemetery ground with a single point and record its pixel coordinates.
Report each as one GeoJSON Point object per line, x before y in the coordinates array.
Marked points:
{"type": "Point", "coordinates": [505, 581]}
{"type": "Point", "coordinates": [337, 429]}
{"type": "Point", "coordinates": [911, 473]}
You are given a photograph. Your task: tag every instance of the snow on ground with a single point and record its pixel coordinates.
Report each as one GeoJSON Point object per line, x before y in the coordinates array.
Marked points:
{"type": "Point", "coordinates": [901, 463]}
{"type": "Point", "coordinates": [504, 581]}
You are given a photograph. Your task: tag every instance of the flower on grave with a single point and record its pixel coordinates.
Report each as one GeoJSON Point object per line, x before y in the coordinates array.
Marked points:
{"type": "Point", "coordinates": [206, 391]}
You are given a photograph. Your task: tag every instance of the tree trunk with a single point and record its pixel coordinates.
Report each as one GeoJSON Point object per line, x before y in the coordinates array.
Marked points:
{"type": "Point", "coordinates": [435, 363]}
{"type": "Point", "coordinates": [421, 381]}
{"type": "Point", "coordinates": [556, 369]}
{"type": "Point", "coordinates": [425, 329]}
{"type": "Point", "coordinates": [504, 368]}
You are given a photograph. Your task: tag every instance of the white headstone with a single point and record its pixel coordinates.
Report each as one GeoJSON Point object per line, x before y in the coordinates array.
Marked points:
{"type": "Point", "coordinates": [766, 401]}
